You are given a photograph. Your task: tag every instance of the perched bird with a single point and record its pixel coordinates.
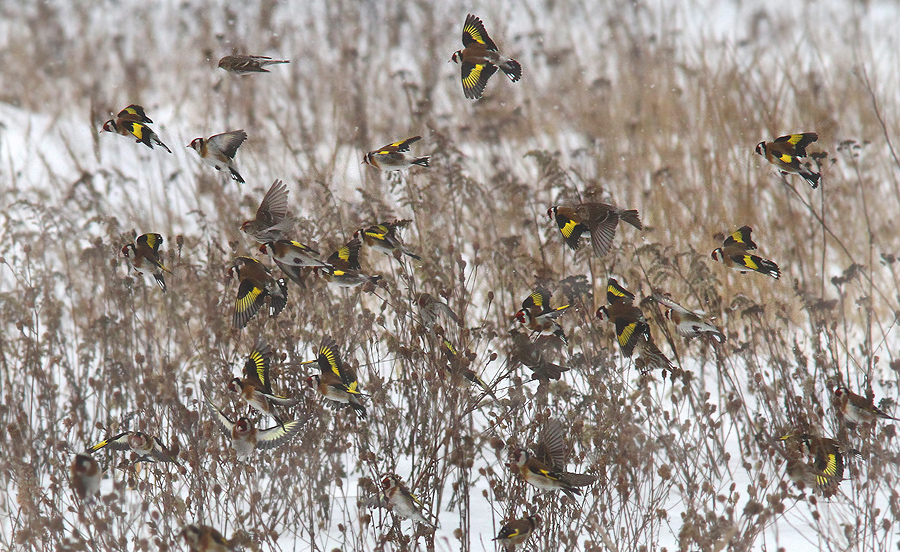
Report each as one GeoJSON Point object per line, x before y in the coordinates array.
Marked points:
{"type": "Point", "coordinates": [203, 538]}
{"type": "Point", "coordinates": [291, 257]}
{"type": "Point", "coordinates": [219, 150]}
{"type": "Point", "coordinates": [457, 364]}
{"type": "Point", "coordinates": [337, 381]}
{"type": "Point", "coordinates": [517, 531]}
{"type": "Point", "coordinates": [431, 309]}
{"type": "Point", "coordinates": [599, 220]}
{"type": "Point", "coordinates": [687, 323]}
{"type": "Point", "coordinates": [343, 268]}
{"type": "Point", "coordinates": [244, 435]}
{"type": "Point", "coordinates": [402, 501]}
{"type": "Point", "coordinates": [632, 330]}
{"type": "Point", "coordinates": [786, 153]}
{"type": "Point", "coordinates": [733, 254]}
{"type": "Point", "coordinates": [395, 157]}
{"type": "Point", "coordinates": [480, 59]}
{"type": "Point", "coordinates": [813, 461]}
{"type": "Point", "coordinates": [84, 476]}
{"type": "Point", "coordinates": [857, 409]}
{"type": "Point", "coordinates": [529, 353]}
{"type": "Point", "coordinates": [538, 316]}
{"type": "Point", "coordinates": [384, 238]}
{"type": "Point", "coordinates": [148, 448]}
{"type": "Point", "coordinates": [144, 257]}
{"type": "Point", "coordinates": [546, 468]}
{"type": "Point", "coordinates": [246, 65]}
{"type": "Point", "coordinates": [272, 219]}
{"type": "Point", "coordinates": [132, 121]}
{"type": "Point", "coordinates": [256, 386]}
{"type": "Point", "coordinates": [256, 284]}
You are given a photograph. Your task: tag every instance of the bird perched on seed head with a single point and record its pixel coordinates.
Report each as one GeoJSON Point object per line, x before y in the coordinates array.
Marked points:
{"type": "Point", "coordinates": [396, 156]}
{"type": "Point", "coordinates": [244, 435]}
{"type": "Point", "coordinates": [734, 255]}
{"type": "Point", "coordinates": [256, 283]}
{"type": "Point", "coordinates": [599, 220]}
{"type": "Point", "coordinates": [148, 448]}
{"type": "Point", "coordinates": [687, 323]}
{"type": "Point", "coordinates": [84, 476]}
{"type": "Point", "coordinates": [517, 531]}
{"type": "Point", "coordinates": [246, 65]}
{"type": "Point", "coordinates": [337, 381]}
{"type": "Point", "coordinates": [384, 238]}
{"type": "Point", "coordinates": [219, 150]}
{"type": "Point", "coordinates": [291, 257]}
{"type": "Point", "coordinates": [402, 501]}
{"type": "Point", "coordinates": [857, 409]}
{"type": "Point", "coordinates": [343, 268]}
{"type": "Point", "coordinates": [272, 219]}
{"type": "Point", "coordinates": [460, 365]}
{"type": "Point", "coordinates": [480, 59]}
{"type": "Point", "coordinates": [203, 538]}
{"type": "Point", "coordinates": [632, 330]}
{"type": "Point", "coordinates": [531, 356]}
{"type": "Point", "coordinates": [144, 257]}
{"type": "Point", "coordinates": [256, 386]}
{"type": "Point", "coordinates": [538, 316]}
{"type": "Point", "coordinates": [132, 122]}
{"type": "Point", "coordinates": [546, 468]}
{"type": "Point", "coordinates": [431, 309]}
{"type": "Point", "coordinates": [786, 153]}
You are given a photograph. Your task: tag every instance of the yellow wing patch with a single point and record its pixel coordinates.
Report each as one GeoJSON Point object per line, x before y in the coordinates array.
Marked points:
{"type": "Point", "coordinates": [474, 32]}
{"type": "Point", "coordinates": [246, 302]}
{"type": "Point", "coordinates": [471, 80]}
{"type": "Point", "coordinates": [747, 261]}
{"type": "Point", "coordinates": [625, 336]}
{"type": "Point", "coordinates": [137, 129]}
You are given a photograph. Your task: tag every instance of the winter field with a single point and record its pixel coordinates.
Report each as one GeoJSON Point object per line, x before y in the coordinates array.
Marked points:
{"type": "Point", "coordinates": [655, 106]}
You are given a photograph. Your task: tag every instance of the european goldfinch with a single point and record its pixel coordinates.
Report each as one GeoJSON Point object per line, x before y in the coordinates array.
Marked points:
{"type": "Point", "coordinates": [203, 538]}
{"type": "Point", "coordinates": [256, 386]}
{"type": "Point", "coordinates": [529, 353]}
{"type": "Point", "coordinates": [813, 461]}
{"type": "Point", "coordinates": [546, 468]}
{"type": "Point", "coordinates": [148, 448]}
{"type": "Point", "coordinates": [460, 365]}
{"type": "Point", "coordinates": [245, 437]}
{"type": "Point", "coordinates": [84, 476]}
{"type": "Point", "coordinates": [787, 152]}
{"type": "Point", "coordinates": [272, 220]}
{"type": "Point", "coordinates": [687, 323]}
{"type": "Point", "coordinates": [256, 283]}
{"type": "Point", "coordinates": [632, 330]}
{"type": "Point", "coordinates": [132, 122]}
{"type": "Point", "coordinates": [599, 220]}
{"type": "Point", "coordinates": [517, 531]}
{"type": "Point", "coordinates": [480, 59]}
{"type": "Point", "coordinates": [402, 501]}
{"type": "Point", "coordinates": [431, 309]}
{"type": "Point", "coordinates": [734, 255]}
{"type": "Point", "coordinates": [291, 257]}
{"type": "Point", "coordinates": [337, 381]}
{"type": "Point", "coordinates": [857, 409]}
{"type": "Point", "coordinates": [144, 257]}
{"type": "Point", "coordinates": [219, 150]}
{"type": "Point", "coordinates": [246, 65]}
{"type": "Point", "coordinates": [538, 316]}
{"type": "Point", "coordinates": [343, 268]}
{"type": "Point", "coordinates": [396, 156]}
{"type": "Point", "coordinates": [384, 238]}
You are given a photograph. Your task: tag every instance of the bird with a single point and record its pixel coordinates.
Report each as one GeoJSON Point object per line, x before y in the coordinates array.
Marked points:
{"type": "Point", "coordinates": [144, 257]}
{"type": "Point", "coordinates": [431, 309]}
{"type": "Point", "coordinates": [383, 237]}
{"type": "Point", "coordinates": [148, 448]}
{"type": "Point", "coordinates": [272, 220]}
{"type": "Point", "coordinates": [256, 283]}
{"type": "Point", "coordinates": [632, 330]}
{"type": "Point", "coordinates": [537, 315]}
{"type": "Point", "coordinates": [132, 122]}
{"type": "Point", "coordinates": [856, 409]}
{"type": "Point", "coordinates": [395, 156]}
{"type": "Point", "coordinates": [813, 461]}
{"type": "Point", "coordinates": [517, 531]}
{"type": "Point", "coordinates": [203, 538]}
{"type": "Point", "coordinates": [219, 150]}
{"type": "Point", "coordinates": [337, 381]}
{"type": "Point", "coordinates": [244, 435]}
{"type": "Point", "coordinates": [688, 324]}
{"type": "Point", "coordinates": [84, 476]}
{"type": "Point", "coordinates": [291, 257]}
{"type": "Point", "coordinates": [457, 364]}
{"type": "Point", "coordinates": [480, 59]}
{"type": "Point", "coordinates": [787, 152]}
{"type": "Point", "coordinates": [528, 353]}
{"type": "Point", "coordinates": [256, 386]}
{"type": "Point", "coordinates": [343, 268]}
{"type": "Point", "coordinates": [733, 254]}
{"type": "Point", "coordinates": [546, 468]}
{"type": "Point", "coordinates": [599, 220]}
{"type": "Point", "coordinates": [246, 65]}
{"type": "Point", "coordinates": [403, 502]}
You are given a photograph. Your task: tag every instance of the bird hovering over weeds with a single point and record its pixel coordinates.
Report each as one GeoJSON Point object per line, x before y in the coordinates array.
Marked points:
{"type": "Point", "coordinates": [480, 58]}
{"type": "Point", "coordinates": [144, 257]}
{"type": "Point", "coordinates": [734, 254]}
{"type": "Point", "coordinates": [132, 122]}
{"type": "Point", "coordinates": [218, 151]}
{"type": "Point", "coordinates": [272, 221]}
{"type": "Point", "coordinates": [538, 316]}
{"type": "Point", "coordinates": [788, 154]}
{"type": "Point", "coordinates": [395, 156]}
{"type": "Point", "coordinates": [688, 323]}
{"type": "Point", "coordinates": [247, 65]}
{"type": "Point", "coordinates": [256, 283]}
{"type": "Point", "coordinates": [599, 220]}
{"type": "Point", "coordinates": [632, 329]}
{"type": "Point", "coordinates": [545, 469]}
{"type": "Point", "coordinates": [255, 388]}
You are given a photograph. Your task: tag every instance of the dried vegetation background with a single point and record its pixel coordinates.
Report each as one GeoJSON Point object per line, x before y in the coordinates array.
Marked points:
{"type": "Point", "coordinates": [639, 103]}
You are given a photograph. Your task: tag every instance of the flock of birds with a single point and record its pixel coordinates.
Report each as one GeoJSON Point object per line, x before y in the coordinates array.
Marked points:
{"type": "Point", "coordinates": [812, 460]}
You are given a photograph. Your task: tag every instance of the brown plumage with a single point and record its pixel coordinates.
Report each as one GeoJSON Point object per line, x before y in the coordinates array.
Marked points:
{"type": "Point", "coordinates": [599, 220]}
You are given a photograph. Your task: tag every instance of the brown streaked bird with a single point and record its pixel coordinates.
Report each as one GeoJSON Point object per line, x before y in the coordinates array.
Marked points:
{"type": "Point", "coordinates": [84, 476]}
{"type": "Point", "coordinates": [245, 437]}
{"type": "Point", "coordinates": [632, 329]}
{"type": "Point", "coordinates": [148, 448]}
{"type": "Point", "coordinates": [247, 65]}
{"type": "Point", "coordinates": [529, 353]}
{"type": "Point", "coordinates": [256, 386]}
{"type": "Point", "coordinates": [144, 257]}
{"type": "Point", "coordinates": [688, 324]}
{"type": "Point", "coordinates": [857, 409]}
{"type": "Point", "coordinates": [132, 122]}
{"type": "Point", "coordinates": [343, 268]}
{"type": "Point", "coordinates": [480, 59]}
{"type": "Point", "coordinates": [517, 531]}
{"type": "Point", "coordinates": [272, 220]}
{"type": "Point", "coordinates": [337, 381]}
{"type": "Point", "coordinates": [459, 365]}
{"type": "Point", "coordinates": [395, 156]}
{"type": "Point", "coordinates": [599, 220]}
{"type": "Point", "coordinates": [384, 237]}
{"type": "Point", "coordinates": [218, 151]}
{"type": "Point", "coordinates": [292, 257]}
{"type": "Point", "coordinates": [787, 153]}
{"type": "Point", "coordinates": [403, 502]}
{"type": "Point", "coordinates": [203, 538]}
{"type": "Point", "coordinates": [538, 316]}
{"type": "Point", "coordinates": [431, 309]}
{"type": "Point", "coordinates": [256, 283]}
{"type": "Point", "coordinates": [733, 254]}
{"type": "Point", "coordinates": [545, 469]}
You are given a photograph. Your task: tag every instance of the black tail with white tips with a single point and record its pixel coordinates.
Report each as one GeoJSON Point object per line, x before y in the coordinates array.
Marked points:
{"type": "Point", "coordinates": [513, 69]}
